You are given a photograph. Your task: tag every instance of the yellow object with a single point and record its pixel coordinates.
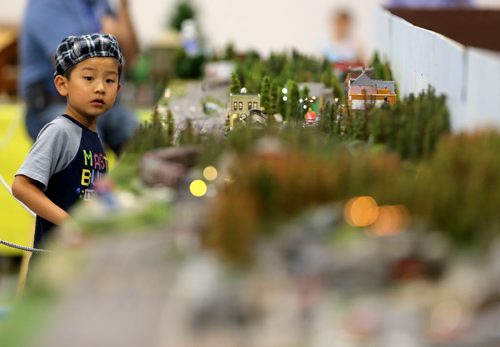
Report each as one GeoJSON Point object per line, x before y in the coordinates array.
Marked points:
{"type": "Point", "coordinates": [198, 188]}
{"type": "Point", "coordinates": [210, 173]}
{"type": "Point", "coordinates": [16, 224]}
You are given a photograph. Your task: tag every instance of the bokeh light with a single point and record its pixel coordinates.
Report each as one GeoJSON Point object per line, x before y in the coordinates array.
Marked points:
{"type": "Point", "coordinates": [198, 188]}
{"type": "Point", "coordinates": [361, 211]}
{"type": "Point", "coordinates": [210, 173]}
{"type": "Point", "coordinates": [391, 220]}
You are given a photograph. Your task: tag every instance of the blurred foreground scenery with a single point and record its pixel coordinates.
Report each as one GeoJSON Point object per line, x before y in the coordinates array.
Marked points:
{"type": "Point", "coordinates": [255, 206]}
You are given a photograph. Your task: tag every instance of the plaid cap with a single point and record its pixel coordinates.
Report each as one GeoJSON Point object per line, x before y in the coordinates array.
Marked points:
{"type": "Point", "coordinates": [75, 49]}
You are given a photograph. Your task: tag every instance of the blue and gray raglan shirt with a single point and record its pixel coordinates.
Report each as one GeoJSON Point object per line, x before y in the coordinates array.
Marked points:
{"type": "Point", "coordinates": [66, 159]}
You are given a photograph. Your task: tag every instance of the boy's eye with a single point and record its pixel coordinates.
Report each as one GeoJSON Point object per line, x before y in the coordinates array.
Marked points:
{"type": "Point", "coordinates": [109, 80]}
{"type": "Point", "coordinates": [88, 78]}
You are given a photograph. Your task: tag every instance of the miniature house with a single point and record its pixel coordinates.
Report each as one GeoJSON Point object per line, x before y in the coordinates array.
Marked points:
{"type": "Point", "coordinates": [364, 92]}
{"type": "Point", "coordinates": [240, 106]}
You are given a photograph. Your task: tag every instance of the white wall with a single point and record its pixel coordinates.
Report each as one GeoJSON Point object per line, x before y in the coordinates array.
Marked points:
{"type": "Point", "coordinates": [467, 76]}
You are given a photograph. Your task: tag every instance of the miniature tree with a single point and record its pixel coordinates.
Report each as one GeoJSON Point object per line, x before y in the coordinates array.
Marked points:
{"type": "Point", "coordinates": [235, 87]}
{"type": "Point", "coordinates": [305, 93]}
{"type": "Point", "coordinates": [188, 134]}
{"type": "Point", "coordinates": [292, 102]}
{"type": "Point", "coordinates": [413, 126]}
{"type": "Point", "coordinates": [183, 10]}
{"type": "Point", "coordinates": [274, 100]}
{"type": "Point", "coordinates": [359, 127]}
{"type": "Point", "coordinates": [229, 52]}
{"type": "Point", "coordinates": [381, 70]}
{"type": "Point", "coordinates": [276, 63]}
{"type": "Point", "coordinates": [282, 104]}
{"type": "Point", "coordinates": [327, 77]}
{"type": "Point", "coordinates": [170, 127]}
{"type": "Point", "coordinates": [326, 122]}
{"type": "Point", "coordinates": [265, 94]}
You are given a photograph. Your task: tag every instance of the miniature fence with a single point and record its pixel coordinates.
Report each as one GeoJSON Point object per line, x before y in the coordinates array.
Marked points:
{"type": "Point", "coordinates": [419, 57]}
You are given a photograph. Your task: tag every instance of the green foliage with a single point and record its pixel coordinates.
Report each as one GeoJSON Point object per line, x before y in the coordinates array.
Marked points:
{"type": "Point", "coordinates": [413, 127]}
{"type": "Point", "coordinates": [274, 100]}
{"type": "Point", "coordinates": [229, 52]}
{"type": "Point", "coordinates": [453, 191]}
{"type": "Point", "coordinates": [458, 188]}
{"type": "Point", "coordinates": [329, 79]}
{"type": "Point", "coordinates": [281, 67]}
{"type": "Point", "coordinates": [292, 102]}
{"type": "Point", "coordinates": [183, 10]}
{"type": "Point", "coordinates": [188, 67]}
{"type": "Point", "coordinates": [381, 70]}
{"type": "Point", "coordinates": [235, 86]}
{"type": "Point", "coordinates": [304, 93]}
{"type": "Point", "coordinates": [327, 122]}
{"type": "Point", "coordinates": [158, 132]}
{"type": "Point", "coordinates": [359, 126]}
{"type": "Point", "coordinates": [265, 94]}
{"type": "Point", "coordinates": [170, 127]}
{"type": "Point", "coordinates": [189, 134]}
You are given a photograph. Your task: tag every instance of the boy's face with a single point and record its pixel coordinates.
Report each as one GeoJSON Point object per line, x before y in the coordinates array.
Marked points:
{"type": "Point", "coordinates": [91, 89]}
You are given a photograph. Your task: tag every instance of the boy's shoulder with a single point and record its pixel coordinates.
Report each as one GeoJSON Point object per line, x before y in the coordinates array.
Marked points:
{"type": "Point", "coordinates": [55, 147]}
{"type": "Point", "coordinates": [61, 126]}
{"type": "Point", "coordinates": [61, 135]}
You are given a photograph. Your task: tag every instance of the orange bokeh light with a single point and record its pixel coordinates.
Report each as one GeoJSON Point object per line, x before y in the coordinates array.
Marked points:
{"type": "Point", "coordinates": [361, 211]}
{"type": "Point", "coordinates": [391, 220]}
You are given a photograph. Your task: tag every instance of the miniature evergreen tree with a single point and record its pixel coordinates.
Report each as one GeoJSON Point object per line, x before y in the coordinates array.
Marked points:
{"type": "Point", "coordinates": [235, 87]}
{"type": "Point", "coordinates": [265, 94]}
{"type": "Point", "coordinates": [292, 111]}
{"type": "Point", "coordinates": [326, 122]}
{"type": "Point", "coordinates": [188, 134]}
{"type": "Point", "coordinates": [274, 101]}
{"type": "Point", "coordinates": [359, 128]}
{"type": "Point", "coordinates": [304, 93]}
{"type": "Point", "coordinates": [378, 70]}
{"type": "Point", "coordinates": [346, 124]}
{"type": "Point", "coordinates": [229, 52]}
{"type": "Point", "coordinates": [413, 126]}
{"type": "Point", "coordinates": [327, 77]}
{"type": "Point", "coordinates": [170, 127]}
{"type": "Point", "coordinates": [381, 70]}
{"type": "Point", "coordinates": [282, 104]}
{"type": "Point", "coordinates": [183, 10]}
{"type": "Point", "coordinates": [337, 115]}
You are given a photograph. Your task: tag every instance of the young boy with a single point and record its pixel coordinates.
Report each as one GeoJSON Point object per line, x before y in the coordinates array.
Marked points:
{"type": "Point", "coordinates": [68, 157]}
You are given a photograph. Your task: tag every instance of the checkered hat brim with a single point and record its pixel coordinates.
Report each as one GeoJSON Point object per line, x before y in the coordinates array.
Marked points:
{"type": "Point", "coordinates": [75, 49]}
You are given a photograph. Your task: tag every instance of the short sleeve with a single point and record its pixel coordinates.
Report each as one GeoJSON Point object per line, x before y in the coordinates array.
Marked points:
{"type": "Point", "coordinates": [53, 150]}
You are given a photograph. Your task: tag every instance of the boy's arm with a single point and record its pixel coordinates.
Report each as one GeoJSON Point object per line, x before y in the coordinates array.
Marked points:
{"type": "Point", "coordinates": [26, 190]}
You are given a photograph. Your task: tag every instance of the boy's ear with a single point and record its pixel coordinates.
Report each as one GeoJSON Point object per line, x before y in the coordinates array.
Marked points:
{"type": "Point", "coordinates": [61, 84]}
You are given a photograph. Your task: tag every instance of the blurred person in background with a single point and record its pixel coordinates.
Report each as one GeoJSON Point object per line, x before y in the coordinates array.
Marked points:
{"type": "Point", "coordinates": [341, 48]}
{"type": "Point", "coordinates": [45, 24]}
